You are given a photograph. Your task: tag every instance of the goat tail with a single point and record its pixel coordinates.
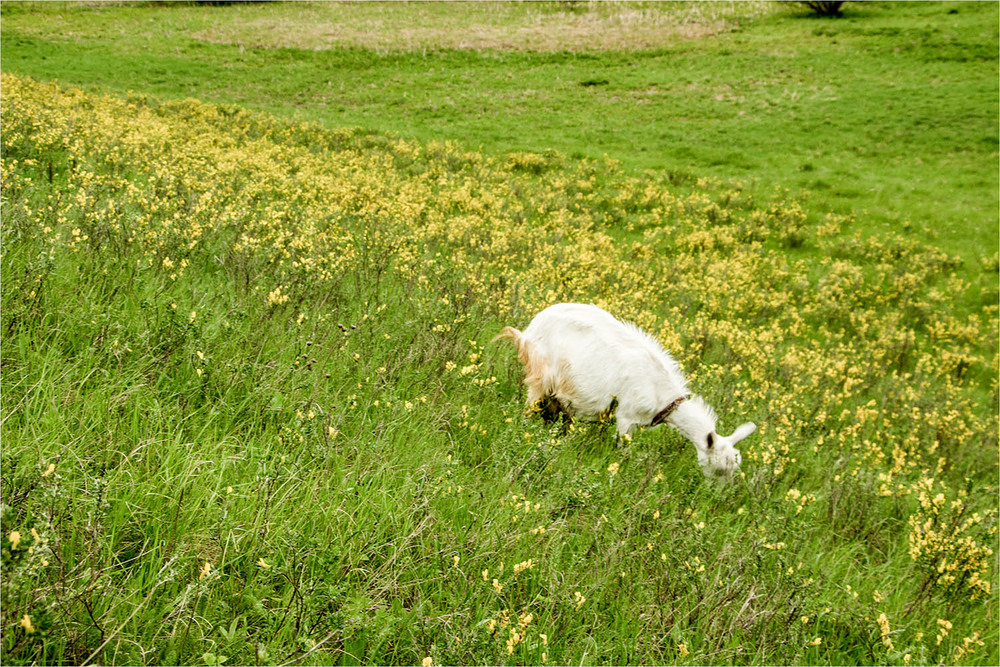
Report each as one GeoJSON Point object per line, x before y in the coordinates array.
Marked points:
{"type": "Point", "coordinates": [537, 375]}
{"type": "Point", "coordinates": [524, 348]}
{"type": "Point", "coordinates": [511, 334]}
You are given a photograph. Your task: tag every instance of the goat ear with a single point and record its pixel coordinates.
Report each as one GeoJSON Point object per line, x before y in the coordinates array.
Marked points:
{"type": "Point", "coordinates": [742, 431]}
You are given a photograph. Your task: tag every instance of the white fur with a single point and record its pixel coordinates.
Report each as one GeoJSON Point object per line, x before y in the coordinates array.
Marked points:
{"type": "Point", "coordinates": [585, 358]}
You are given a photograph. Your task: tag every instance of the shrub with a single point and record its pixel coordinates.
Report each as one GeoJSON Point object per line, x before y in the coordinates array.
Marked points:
{"type": "Point", "coordinates": [824, 7]}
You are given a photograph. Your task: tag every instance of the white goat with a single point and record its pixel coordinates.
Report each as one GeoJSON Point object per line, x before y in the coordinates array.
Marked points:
{"type": "Point", "coordinates": [586, 361]}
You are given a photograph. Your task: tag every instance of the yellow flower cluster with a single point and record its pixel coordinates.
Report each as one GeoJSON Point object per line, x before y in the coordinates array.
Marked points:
{"type": "Point", "coordinates": [883, 625]}
{"type": "Point", "coordinates": [944, 626]}
{"type": "Point", "coordinates": [942, 541]}
{"type": "Point", "coordinates": [522, 566]}
{"type": "Point", "coordinates": [967, 647]}
{"type": "Point", "coordinates": [516, 632]}
{"type": "Point", "coordinates": [799, 500]}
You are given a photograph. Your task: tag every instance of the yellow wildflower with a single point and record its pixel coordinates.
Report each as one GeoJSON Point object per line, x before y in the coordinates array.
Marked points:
{"type": "Point", "coordinates": [522, 566]}
{"type": "Point", "coordinates": [883, 624]}
{"type": "Point", "coordinates": [513, 640]}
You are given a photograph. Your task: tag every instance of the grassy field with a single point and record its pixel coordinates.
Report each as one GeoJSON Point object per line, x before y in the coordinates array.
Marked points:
{"type": "Point", "coordinates": [877, 114]}
{"type": "Point", "coordinates": [252, 414]}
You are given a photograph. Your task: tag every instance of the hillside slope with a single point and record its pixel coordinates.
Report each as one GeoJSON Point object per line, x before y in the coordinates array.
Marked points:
{"type": "Point", "coordinates": [251, 412]}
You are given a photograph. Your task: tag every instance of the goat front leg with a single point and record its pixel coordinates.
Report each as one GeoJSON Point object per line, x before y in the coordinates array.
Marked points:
{"type": "Point", "coordinates": [624, 431]}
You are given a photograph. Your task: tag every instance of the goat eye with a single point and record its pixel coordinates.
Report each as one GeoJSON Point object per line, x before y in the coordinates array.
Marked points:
{"type": "Point", "coordinates": [711, 441]}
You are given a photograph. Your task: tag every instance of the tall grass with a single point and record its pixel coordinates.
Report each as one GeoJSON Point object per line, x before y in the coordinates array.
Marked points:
{"type": "Point", "coordinates": [251, 412]}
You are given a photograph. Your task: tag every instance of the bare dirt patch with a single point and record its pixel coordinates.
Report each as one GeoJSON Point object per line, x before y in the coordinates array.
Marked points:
{"type": "Point", "coordinates": [516, 26]}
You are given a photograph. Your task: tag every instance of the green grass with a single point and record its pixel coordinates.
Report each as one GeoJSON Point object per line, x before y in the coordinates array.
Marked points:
{"type": "Point", "coordinates": [881, 112]}
{"type": "Point", "coordinates": [239, 340]}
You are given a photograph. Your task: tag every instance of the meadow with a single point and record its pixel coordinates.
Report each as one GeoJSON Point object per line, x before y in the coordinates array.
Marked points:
{"type": "Point", "coordinates": [252, 413]}
{"type": "Point", "coordinates": [889, 113]}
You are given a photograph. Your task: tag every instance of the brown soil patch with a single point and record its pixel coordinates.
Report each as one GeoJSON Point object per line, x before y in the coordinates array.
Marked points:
{"type": "Point", "coordinates": [480, 26]}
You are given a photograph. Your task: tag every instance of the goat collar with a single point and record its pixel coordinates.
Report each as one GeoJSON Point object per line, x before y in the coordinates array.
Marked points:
{"type": "Point", "coordinates": [662, 415]}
